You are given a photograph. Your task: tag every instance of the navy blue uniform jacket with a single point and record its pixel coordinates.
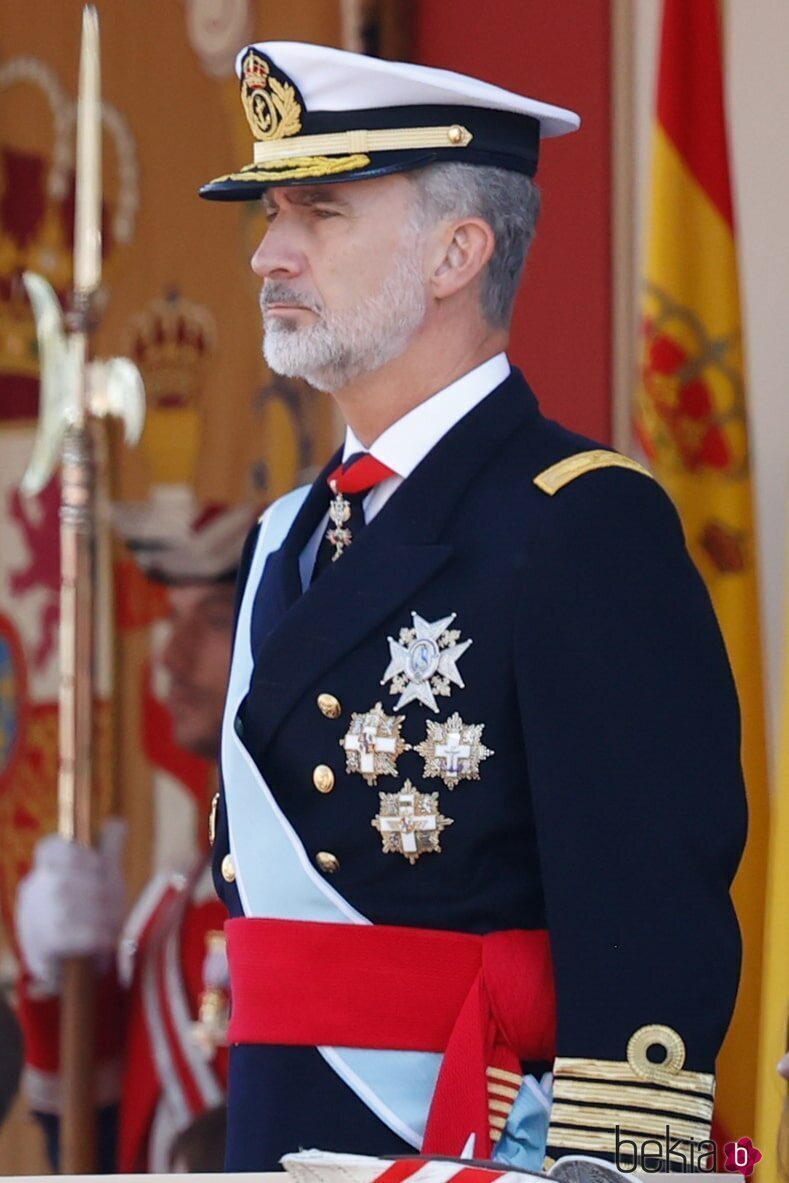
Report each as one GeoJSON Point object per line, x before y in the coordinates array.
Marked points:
{"type": "Point", "coordinates": [612, 812]}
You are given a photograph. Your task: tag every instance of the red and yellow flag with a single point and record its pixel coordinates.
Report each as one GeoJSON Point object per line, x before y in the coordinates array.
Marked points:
{"type": "Point", "coordinates": [691, 420]}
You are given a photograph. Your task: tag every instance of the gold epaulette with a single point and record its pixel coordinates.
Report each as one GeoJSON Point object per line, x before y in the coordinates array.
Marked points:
{"type": "Point", "coordinates": [560, 474]}
{"type": "Point", "coordinates": [597, 1104]}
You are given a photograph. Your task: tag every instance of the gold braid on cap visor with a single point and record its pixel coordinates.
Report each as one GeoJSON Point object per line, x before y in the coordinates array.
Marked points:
{"type": "Point", "coordinates": [392, 139]}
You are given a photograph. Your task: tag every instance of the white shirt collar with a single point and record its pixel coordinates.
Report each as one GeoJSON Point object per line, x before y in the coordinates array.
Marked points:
{"type": "Point", "coordinates": [406, 443]}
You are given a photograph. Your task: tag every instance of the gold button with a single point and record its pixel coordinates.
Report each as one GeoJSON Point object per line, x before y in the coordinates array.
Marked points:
{"type": "Point", "coordinates": [228, 870]}
{"type": "Point", "coordinates": [327, 862]}
{"type": "Point", "coordinates": [329, 706]}
{"type": "Point", "coordinates": [455, 134]}
{"type": "Point", "coordinates": [323, 778]}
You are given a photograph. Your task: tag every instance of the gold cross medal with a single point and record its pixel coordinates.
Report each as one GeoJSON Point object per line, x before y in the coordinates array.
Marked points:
{"type": "Point", "coordinates": [424, 661]}
{"type": "Point", "coordinates": [373, 744]}
{"type": "Point", "coordinates": [409, 823]}
{"type": "Point", "coordinates": [339, 535]}
{"type": "Point", "coordinates": [453, 750]}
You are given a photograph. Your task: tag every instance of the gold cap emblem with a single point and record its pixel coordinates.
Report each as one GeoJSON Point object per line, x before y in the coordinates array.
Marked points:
{"type": "Point", "coordinates": [272, 104]}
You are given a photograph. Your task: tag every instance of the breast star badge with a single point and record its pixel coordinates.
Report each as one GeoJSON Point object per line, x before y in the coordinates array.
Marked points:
{"type": "Point", "coordinates": [424, 662]}
{"type": "Point", "coordinates": [453, 750]}
{"type": "Point", "coordinates": [409, 823]}
{"type": "Point", "coordinates": [373, 744]}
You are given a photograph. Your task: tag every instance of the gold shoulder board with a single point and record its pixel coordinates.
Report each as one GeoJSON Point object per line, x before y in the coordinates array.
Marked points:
{"type": "Point", "coordinates": [558, 475]}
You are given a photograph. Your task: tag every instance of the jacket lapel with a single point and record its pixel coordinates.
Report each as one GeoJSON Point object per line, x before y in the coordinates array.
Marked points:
{"type": "Point", "coordinates": [397, 553]}
{"type": "Point", "coordinates": [280, 584]}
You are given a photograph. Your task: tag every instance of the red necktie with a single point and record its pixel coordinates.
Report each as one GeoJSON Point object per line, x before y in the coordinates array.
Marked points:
{"type": "Point", "coordinates": [359, 474]}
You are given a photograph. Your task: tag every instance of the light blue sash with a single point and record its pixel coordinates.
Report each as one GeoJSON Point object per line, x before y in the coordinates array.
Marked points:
{"type": "Point", "coordinates": [276, 879]}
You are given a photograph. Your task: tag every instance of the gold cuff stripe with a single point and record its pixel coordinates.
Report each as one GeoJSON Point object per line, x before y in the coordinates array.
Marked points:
{"type": "Point", "coordinates": [392, 139]}
{"type": "Point", "coordinates": [502, 1090]}
{"type": "Point", "coordinates": [500, 1107]}
{"type": "Point", "coordinates": [560, 474]}
{"type": "Point", "coordinates": [299, 169]}
{"type": "Point", "coordinates": [639, 1123]}
{"type": "Point", "coordinates": [698, 1082]}
{"type": "Point", "coordinates": [504, 1076]}
{"type": "Point", "coordinates": [590, 1140]}
{"type": "Point", "coordinates": [649, 1098]}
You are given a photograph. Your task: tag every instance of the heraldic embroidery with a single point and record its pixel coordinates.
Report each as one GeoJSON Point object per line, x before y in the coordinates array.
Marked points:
{"type": "Point", "coordinates": [424, 662]}
{"type": "Point", "coordinates": [410, 823]}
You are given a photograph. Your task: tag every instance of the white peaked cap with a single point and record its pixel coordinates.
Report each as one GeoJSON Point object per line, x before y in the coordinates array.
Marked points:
{"type": "Point", "coordinates": [320, 114]}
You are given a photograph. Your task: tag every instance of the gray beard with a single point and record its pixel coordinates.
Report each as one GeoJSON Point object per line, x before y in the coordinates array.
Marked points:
{"type": "Point", "coordinates": [343, 346]}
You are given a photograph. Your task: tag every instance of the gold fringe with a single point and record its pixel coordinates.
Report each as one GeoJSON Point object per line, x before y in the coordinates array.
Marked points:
{"type": "Point", "coordinates": [507, 1077]}
{"type": "Point", "coordinates": [504, 1107]}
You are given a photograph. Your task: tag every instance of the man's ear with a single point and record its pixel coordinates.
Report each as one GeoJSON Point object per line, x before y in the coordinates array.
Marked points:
{"type": "Point", "coordinates": [467, 247]}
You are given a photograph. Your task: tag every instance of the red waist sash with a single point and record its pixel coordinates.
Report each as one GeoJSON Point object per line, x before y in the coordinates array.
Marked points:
{"type": "Point", "coordinates": [483, 1001]}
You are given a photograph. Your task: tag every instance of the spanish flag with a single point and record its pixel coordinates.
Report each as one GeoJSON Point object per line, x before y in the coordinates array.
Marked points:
{"type": "Point", "coordinates": [691, 420]}
{"type": "Point", "coordinates": [772, 1091]}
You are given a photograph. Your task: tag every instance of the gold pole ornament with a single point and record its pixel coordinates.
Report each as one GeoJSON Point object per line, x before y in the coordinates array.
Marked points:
{"type": "Point", "coordinates": [74, 392]}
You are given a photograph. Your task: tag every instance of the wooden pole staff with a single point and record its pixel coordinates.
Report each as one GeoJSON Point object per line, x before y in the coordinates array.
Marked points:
{"type": "Point", "coordinates": [77, 597]}
{"type": "Point", "coordinates": [74, 390]}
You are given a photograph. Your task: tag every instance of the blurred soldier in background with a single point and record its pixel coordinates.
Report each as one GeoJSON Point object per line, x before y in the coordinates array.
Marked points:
{"type": "Point", "coordinates": [162, 1003]}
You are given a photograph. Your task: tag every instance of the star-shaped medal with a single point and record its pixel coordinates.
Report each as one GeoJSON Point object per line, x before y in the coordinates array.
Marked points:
{"type": "Point", "coordinates": [453, 750]}
{"type": "Point", "coordinates": [424, 661]}
{"type": "Point", "coordinates": [373, 743]}
{"type": "Point", "coordinates": [409, 823]}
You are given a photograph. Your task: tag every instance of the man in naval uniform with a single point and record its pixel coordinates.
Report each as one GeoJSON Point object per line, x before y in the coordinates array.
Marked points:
{"type": "Point", "coordinates": [482, 797]}
{"type": "Point", "coordinates": [161, 1060]}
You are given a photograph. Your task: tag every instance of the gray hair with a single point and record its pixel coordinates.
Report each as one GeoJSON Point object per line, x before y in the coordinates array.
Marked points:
{"type": "Point", "coordinates": [509, 202]}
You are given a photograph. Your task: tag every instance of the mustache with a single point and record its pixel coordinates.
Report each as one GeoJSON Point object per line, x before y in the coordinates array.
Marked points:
{"type": "Point", "coordinates": [274, 292]}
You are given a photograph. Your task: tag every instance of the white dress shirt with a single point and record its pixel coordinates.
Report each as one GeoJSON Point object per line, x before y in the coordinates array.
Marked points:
{"type": "Point", "coordinates": [406, 443]}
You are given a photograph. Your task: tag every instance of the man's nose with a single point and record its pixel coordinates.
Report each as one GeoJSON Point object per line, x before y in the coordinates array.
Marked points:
{"type": "Point", "coordinates": [277, 256]}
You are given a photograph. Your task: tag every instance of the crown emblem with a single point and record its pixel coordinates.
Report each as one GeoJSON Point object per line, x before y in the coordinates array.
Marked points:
{"type": "Point", "coordinates": [35, 230]}
{"type": "Point", "coordinates": [272, 103]}
{"type": "Point", "coordinates": [171, 341]}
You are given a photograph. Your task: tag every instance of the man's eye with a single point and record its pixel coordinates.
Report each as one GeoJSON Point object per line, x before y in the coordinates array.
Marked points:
{"type": "Point", "coordinates": [270, 214]}
{"type": "Point", "coordinates": [324, 213]}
